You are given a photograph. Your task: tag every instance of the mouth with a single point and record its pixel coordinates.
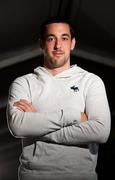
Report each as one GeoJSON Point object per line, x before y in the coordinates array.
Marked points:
{"type": "Point", "coordinates": [58, 53]}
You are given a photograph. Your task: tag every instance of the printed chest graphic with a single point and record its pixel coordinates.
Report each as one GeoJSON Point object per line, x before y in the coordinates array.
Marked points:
{"type": "Point", "coordinates": [74, 88]}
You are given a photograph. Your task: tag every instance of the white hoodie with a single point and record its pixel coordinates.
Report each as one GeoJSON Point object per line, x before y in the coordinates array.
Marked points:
{"type": "Point", "coordinates": [56, 144]}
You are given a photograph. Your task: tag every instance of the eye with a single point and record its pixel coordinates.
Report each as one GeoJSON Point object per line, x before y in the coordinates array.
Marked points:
{"type": "Point", "coordinates": [50, 39]}
{"type": "Point", "coordinates": [65, 38]}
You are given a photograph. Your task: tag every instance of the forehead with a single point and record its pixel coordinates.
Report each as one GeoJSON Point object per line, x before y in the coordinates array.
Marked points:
{"type": "Point", "coordinates": [58, 28]}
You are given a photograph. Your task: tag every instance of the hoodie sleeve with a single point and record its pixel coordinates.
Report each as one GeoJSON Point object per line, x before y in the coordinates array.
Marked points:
{"type": "Point", "coordinates": [97, 128]}
{"type": "Point", "coordinates": [32, 124]}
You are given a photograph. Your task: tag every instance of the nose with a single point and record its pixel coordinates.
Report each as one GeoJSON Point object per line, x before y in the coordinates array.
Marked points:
{"type": "Point", "coordinates": [57, 44]}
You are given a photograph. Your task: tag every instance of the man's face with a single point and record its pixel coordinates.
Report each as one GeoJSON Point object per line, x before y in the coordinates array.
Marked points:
{"type": "Point", "coordinates": [57, 45]}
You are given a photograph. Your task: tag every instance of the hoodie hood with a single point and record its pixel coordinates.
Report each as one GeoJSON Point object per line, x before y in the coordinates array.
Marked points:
{"type": "Point", "coordinates": [41, 71]}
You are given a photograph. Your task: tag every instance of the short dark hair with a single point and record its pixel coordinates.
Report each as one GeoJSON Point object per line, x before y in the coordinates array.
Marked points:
{"type": "Point", "coordinates": [56, 19]}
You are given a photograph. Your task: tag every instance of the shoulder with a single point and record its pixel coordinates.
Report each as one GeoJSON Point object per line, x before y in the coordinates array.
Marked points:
{"type": "Point", "coordinates": [91, 81]}
{"type": "Point", "coordinates": [90, 76]}
{"type": "Point", "coordinates": [94, 84]}
{"type": "Point", "coordinates": [24, 78]}
{"type": "Point", "coordinates": [22, 82]}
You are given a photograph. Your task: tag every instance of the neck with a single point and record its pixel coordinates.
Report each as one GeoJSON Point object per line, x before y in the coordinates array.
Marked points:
{"type": "Point", "coordinates": [55, 71]}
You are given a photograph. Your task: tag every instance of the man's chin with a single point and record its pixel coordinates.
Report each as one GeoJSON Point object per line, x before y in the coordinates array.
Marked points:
{"type": "Point", "coordinates": [58, 64]}
{"type": "Point", "coordinates": [55, 62]}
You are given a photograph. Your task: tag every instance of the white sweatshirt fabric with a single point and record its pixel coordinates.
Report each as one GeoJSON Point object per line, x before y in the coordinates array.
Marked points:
{"type": "Point", "coordinates": [56, 144]}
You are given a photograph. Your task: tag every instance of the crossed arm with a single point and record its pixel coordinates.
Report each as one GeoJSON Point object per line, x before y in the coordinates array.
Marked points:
{"type": "Point", "coordinates": [27, 106]}
{"type": "Point", "coordinates": [74, 133]}
{"type": "Point", "coordinates": [54, 136]}
{"type": "Point", "coordinates": [66, 126]}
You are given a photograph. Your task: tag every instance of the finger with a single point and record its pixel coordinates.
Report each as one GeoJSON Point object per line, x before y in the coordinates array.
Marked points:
{"type": "Point", "coordinates": [24, 100]}
{"type": "Point", "coordinates": [21, 107]}
{"type": "Point", "coordinates": [28, 105]}
{"type": "Point", "coordinates": [24, 106]}
{"type": "Point", "coordinates": [22, 103]}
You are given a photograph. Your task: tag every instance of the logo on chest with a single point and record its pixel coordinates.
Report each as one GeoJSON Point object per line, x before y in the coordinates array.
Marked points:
{"type": "Point", "coordinates": [74, 88]}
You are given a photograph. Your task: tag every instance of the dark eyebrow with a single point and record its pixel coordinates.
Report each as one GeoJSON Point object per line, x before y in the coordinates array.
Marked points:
{"type": "Point", "coordinates": [47, 35]}
{"type": "Point", "coordinates": [65, 34]}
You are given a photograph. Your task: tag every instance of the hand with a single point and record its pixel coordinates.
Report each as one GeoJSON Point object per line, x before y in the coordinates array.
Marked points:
{"type": "Point", "coordinates": [84, 117]}
{"type": "Point", "coordinates": [25, 106]}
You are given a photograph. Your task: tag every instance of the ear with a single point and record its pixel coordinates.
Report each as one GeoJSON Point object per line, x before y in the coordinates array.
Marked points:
{"type": "Point", "coordinates": [73, 42]}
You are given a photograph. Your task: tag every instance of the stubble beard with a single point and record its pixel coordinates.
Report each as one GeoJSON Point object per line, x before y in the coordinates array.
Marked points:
{"type": "Point", "coordinates": [51, 62]}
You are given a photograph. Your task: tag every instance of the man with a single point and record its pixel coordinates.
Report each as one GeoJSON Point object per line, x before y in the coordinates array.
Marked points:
{"type": "Point", "coordinates": [61, 112]}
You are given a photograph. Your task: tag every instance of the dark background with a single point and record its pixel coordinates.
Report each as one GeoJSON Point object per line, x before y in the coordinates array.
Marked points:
{"type": "Point", "coordinates": [20, 21]}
